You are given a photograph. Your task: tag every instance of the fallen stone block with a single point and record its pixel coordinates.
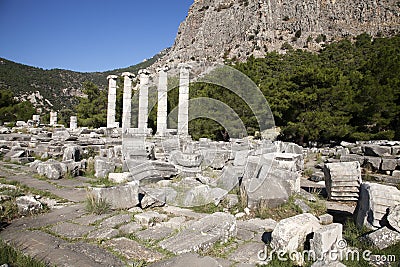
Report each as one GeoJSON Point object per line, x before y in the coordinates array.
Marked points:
{"type": "Point", "coordinates": [326, 239]}
{"type": "Point", "coordinates": [52, 169]}
{"type": "Point", "coordinates": [28, 205]}
{"type": "Point", "coordinates": [394, 217]}
{"type": "Point", "coordinates": [72, 153]}
{"type": "Point", "coordinates": [294, 149]}
{"type": "Point", "coordinates": [270, 188]}
{"type": "Point", "coordinates": [373, 203]}
{"type": "Point", "coordinates": [352, 157]}
{"type": "Point", "coordinates": [120, 197]}
{"type": "Point", "coordinates": [395, 150]}
{"type": "Point", "coordinates": [326, 219]}
{"type": "Point", "coordinates": [377, 151]}
{"type": "Point", "coordinates": [60, 135]}
{"type": "Point", "coordinates": [103, 167]}
{"type": "Point", "coordinates": [119, 177]}
{"type": "Point", "coordinates": [185, 160]}
{"type": "Point", "coordinates": [230, 177]}
{"type": "Point", "coordinates": [389, 164]}
{"type": "Point", "coordinates": [291, 233]}
{"type": "Point", "coordinates": [202, 195]}
{"type": "Point", "coordinates": [373, 163]}
{"type": "Point", "coordinates": [343, 180]}
{"type": "Point", "coordinates": [383, 238]}
{"type": "Point", "coordinates": [215, 159]}
{"type": "Point", "coordinates": [202, 234]}
{"type": "Point", "coordinates": [157, 197]}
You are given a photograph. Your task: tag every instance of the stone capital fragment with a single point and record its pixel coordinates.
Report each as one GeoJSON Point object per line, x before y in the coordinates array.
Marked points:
{"type": "Point", "coordinates": [114, 77]}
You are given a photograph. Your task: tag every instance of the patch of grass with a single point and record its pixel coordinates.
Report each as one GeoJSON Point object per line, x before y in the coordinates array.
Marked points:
{"type": "Point", "coordinates": [90, 171]}
{"type": "Point", "coordinates": [102, 182]}
{"type": "Point", "coordinates": [352, 234]}
{"type": "Point", "coordinates": [8, 211]}
{"type": "Point", "coordinates": [97, 206]}
{"type": "Point", "coordinates": [283, 211]}
{"type": "Point", "coordinates": [220, 250]}
{"type": "Point", "coordinates": [289, 209]}
{"type": "Point", "coordinates": [118, 169]}
{"type": "Point", "coordinates": [308, 172]}
{"type": "Point", "coordinates": [319, 158]}
{"type": "Point", "coordinates": [208, 208]}
{"type": "Point", "coordinates": [26, 190]}
{"type": "Point", "coordinates": [14, 257]}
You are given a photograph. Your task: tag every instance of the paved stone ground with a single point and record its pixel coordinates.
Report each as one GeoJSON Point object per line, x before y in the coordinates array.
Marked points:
{"type": "Point", "coordinates": [68, 236]}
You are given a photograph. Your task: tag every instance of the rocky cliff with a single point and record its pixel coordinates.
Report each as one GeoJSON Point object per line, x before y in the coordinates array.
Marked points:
{"type": "Point", "coordinates": [216, 29]}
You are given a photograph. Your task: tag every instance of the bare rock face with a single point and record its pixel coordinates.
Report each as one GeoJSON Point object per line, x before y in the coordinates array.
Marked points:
{"type": "Point", "coordinates": [215, 29]}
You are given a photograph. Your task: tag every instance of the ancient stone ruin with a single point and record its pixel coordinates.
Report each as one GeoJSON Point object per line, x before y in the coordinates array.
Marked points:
{"type": "Point", "coordinates": [120, 195]}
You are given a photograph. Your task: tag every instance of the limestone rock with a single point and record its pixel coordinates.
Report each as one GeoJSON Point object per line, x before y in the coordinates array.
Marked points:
{"type": "Point", "coordinates": [215, 159]}
{"type": "Point", "coordinates": [103, 167]}
{"type": "Point", "coordinates": [52, 169]}
{"type": "Point", "coordinates": [326, 219]}
{"type": "Point", "coordinates": [150, 218]}
{"type": "Point", "coordinates": [120, 197]}
{"type": "Point", "coordinates": [72, 153]}
{"type": "Point", "coordinates": [271, 187]}
{"type": "Point", "coordinates": [374, 201]}
{"type": "Point", "coordinates": [28, 205]}
{"type": "Point", "coordinates": [253, 27]}
{"type": "Point", "coordinates": [389, 164]}
{"type": "Point", "coordinates": [383, 238]}
{"type": "Point", "coordinates": [377, 151]}
{"type": "Point", "coordinates": [394, 217]}
{"type": "Point", "coordinates": [326, 239]}
{"type": "Point", "coordinates": [119, 177]}
{"type": "Point", "coordinates": [290, 234]}
{"type": "Point", "coordinates": [188, 259]}
{"type": "Point", "coordinates": [372, 162]}
{"type": "Point", "coordinates": [202, 234]}
{"type": "Point", "coordinates": [343, 180]}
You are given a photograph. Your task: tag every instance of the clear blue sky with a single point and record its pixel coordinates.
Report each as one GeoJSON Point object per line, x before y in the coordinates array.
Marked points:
{"type": "Point", "coordinates": [87, 35]}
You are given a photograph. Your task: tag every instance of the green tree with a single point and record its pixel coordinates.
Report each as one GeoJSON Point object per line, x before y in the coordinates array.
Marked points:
{"type": "Point", "coordinates": [92, 109]}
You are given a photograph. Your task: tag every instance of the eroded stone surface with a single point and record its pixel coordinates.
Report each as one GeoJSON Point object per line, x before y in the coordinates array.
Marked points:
{"type": "Point", "coordinates": [202, 234]}
{"type": "Point", "coordinates": [132, 250]}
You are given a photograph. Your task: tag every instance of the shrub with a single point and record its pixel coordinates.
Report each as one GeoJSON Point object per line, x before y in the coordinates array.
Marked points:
{"type": "Point", "coordinates": [97, 206]}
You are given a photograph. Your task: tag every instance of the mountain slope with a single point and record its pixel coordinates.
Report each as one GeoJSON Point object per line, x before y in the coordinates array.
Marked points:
{"type": "Point", "coordinates": [216, 29]}
{"type": "Point", "coordinates": [55, 89]}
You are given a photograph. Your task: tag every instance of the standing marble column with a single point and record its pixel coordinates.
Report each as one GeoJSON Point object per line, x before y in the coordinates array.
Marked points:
{"type": "Point", "coordinates": [73, 122]}
{"type": "Point", "coordinates": [112, 98]}
{"type": "Point", "coordinates": [162, 111]}
{"type": "Point", "coordinates": [53, 118]}
{"type": "Point", "coordinates": [143, 100]}
{"type": "Point", "coordinates": [127, 101]}
{"type": "Point", "coordinates": [183, 110]}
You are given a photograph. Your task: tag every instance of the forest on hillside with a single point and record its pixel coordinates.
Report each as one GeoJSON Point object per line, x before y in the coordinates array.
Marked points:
{"type": "Point", "coordinates": [350, 90]}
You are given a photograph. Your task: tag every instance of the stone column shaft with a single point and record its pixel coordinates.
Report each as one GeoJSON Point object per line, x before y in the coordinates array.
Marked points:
{"type": "Point", "coordinates": [127, 101]}
{"type": "Point", "coordinates": [53, 118]}
{"type": "Point", "coordinates": [112, 98]}
{"type": "Point", "coordinates": [73, 122]}
{"type": "Point", "coordinates": [143, 100]}
{"type": "Point", "coordinates": [183, 110]}
{"type": "Point", "coordinates": [162, 110]}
